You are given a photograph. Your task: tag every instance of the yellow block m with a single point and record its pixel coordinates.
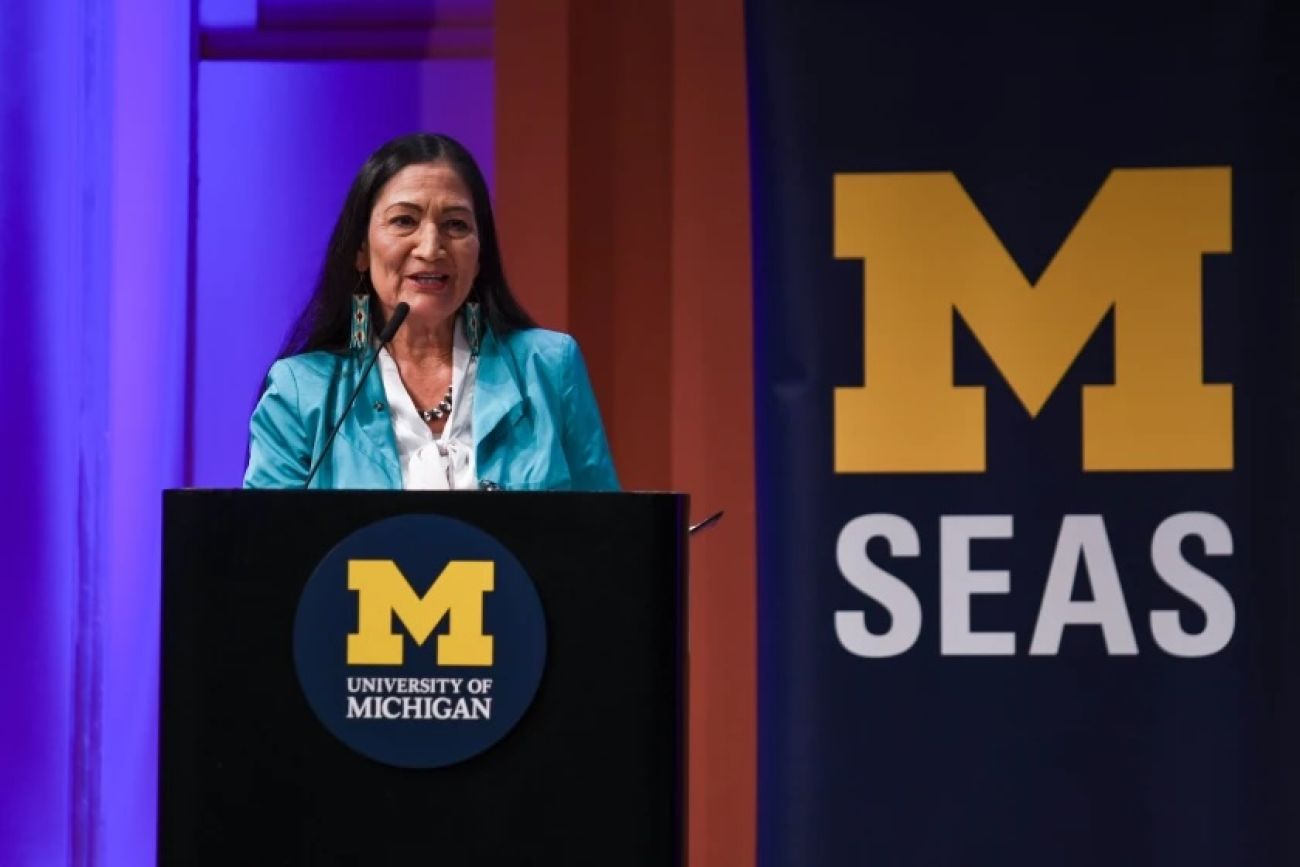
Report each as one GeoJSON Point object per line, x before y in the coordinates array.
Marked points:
{"type": "Point", "coordinates": [1136, 249]}
{"type": "Point", "coordinates": [383, 591]}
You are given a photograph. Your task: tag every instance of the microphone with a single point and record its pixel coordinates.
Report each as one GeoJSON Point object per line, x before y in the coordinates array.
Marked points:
{"type": "Point", "coordinates": [705, 524]}
{"type": "Point", "coordinates": [399, 316]}
{"type": "Point", "coordinates": [390, 328]}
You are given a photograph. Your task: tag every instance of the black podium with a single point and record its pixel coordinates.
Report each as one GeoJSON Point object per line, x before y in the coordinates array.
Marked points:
{"type": "Point", "coordinates": [593, 772]}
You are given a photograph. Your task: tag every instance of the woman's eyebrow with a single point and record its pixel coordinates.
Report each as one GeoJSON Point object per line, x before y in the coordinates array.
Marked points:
{"type": "Point", "coordinates": [404, 204]}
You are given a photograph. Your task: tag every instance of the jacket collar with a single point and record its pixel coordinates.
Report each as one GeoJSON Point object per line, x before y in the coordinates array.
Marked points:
{"type": "Point", "coordinates": [497, 396]}
{"type": "Point", "coordinates": [497, 400]}
{"type": "Point", "coordinates": [370, 413]}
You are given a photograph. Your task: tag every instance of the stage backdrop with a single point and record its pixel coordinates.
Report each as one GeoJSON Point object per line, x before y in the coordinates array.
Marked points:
{"type": "Point", "coordinates": [1026, 321]}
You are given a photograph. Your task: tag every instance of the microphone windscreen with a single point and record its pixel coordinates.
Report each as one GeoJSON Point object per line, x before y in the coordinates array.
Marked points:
{"type": "Point", "coordinates": [395, 322]}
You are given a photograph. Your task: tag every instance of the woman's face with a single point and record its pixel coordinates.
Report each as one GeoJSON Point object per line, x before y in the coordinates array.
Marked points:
{"type": "Point", "coordinates": [422, 243]}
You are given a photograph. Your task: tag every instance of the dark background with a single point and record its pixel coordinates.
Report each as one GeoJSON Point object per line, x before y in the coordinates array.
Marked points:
{"type": "Point", "coordinates": [1079, 758]}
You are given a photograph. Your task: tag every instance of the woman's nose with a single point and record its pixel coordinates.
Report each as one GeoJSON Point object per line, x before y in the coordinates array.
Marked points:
{"type": "Point", "coordinates": [430, 242]}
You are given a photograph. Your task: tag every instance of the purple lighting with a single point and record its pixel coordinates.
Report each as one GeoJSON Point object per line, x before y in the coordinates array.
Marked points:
{"type": "Point", "coordinates": [132, 355]}
{"type": "Point", "coordinates": [45, 176]}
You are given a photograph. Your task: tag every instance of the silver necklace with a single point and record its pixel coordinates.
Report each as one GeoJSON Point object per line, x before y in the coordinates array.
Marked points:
{"type": "Point", "coordinates": [439, 412]}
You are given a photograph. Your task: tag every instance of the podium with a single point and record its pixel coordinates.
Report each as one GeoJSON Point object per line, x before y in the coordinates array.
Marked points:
{"type": "Point", "coordinates": [593, 771]}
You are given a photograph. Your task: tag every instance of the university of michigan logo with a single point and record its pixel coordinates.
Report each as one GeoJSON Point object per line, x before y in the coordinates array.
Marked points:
{"type": "Point", "coordinates": [1136, 250]}
{"type": "Point", "coordinates": [419, 641]}
{"type": "Point", "coordinates": [383, 591]}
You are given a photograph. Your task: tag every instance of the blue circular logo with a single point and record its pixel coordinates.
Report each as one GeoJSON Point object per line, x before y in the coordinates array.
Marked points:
{"type": "Point", "coordinates": [419, 641]}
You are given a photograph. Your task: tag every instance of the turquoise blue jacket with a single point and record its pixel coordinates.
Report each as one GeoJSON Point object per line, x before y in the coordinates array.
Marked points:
{"type": "Point", "coordinates": [536, 424]}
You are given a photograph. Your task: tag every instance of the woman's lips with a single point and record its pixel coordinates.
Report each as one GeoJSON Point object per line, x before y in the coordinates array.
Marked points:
{"type": "Point", "coordinates": [429, 282]}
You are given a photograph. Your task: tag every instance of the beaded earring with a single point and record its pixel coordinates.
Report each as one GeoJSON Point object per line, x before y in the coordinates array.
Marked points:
{"type": "Point", "coordinates": [360, 322]}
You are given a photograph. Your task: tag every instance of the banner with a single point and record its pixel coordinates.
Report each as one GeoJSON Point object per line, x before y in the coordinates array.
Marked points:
{"type": "Point", "coordinates": [1027, 385]}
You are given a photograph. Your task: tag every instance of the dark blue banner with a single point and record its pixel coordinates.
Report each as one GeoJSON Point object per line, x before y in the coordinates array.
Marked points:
{"type": "Point", "coordinates": [1028, 388]}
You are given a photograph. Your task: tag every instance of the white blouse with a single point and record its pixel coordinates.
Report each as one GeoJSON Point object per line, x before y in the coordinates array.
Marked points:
{"type": "Point", "coordinates": [443, 462]}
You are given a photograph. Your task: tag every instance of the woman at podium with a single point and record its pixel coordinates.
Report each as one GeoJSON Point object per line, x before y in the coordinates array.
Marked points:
{"type": "Point", "coordinates": [466, 392]}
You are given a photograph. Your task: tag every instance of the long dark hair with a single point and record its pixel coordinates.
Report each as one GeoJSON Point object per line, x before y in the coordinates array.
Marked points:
{"type": "Point", "coordinates": [325, 322]}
